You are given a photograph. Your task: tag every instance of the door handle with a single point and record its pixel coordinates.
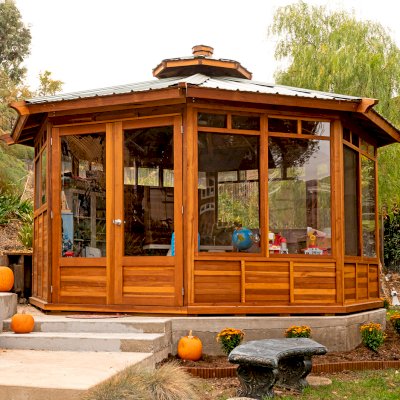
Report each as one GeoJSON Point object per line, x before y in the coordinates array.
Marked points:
{"type": "Point", "coordinates": [117, 222]}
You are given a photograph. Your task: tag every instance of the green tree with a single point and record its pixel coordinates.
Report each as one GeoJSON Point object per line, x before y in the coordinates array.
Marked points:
{"type": "Point", "coordinates": [15, 39]}
{"type": "Point", "coordinates": [334, 52]}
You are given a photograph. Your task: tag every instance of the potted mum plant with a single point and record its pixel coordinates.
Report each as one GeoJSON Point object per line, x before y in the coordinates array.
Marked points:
{"type": "Point", "coordinates": [229, 338]}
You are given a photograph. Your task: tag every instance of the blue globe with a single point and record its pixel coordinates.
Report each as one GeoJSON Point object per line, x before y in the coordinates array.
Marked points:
{"type": "Point", "coordinates": [242, 238]}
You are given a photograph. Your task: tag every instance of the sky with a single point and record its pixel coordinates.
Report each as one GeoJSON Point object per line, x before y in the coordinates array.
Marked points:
{"type": "Point", "coordinates": [91, 44]}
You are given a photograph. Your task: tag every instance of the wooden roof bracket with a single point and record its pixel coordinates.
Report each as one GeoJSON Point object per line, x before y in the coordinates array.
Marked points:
{"type": "Point", "coordinates": [23, 111]}
{"type": "Point", "coordinates": [365, 104]}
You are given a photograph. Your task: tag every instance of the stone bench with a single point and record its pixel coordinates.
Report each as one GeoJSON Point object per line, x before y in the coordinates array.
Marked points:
{"type": "Point", "coordinates": [269, 362]}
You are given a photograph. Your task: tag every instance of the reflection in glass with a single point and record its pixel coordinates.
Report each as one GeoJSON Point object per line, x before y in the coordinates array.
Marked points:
{"type": "Point", "coordinates": [351, 223]}
{"type": "Point", "coordinates": [282, 125]}
{"type": "Point", "coordinates": [83, 195]}
{"type": "Point", "coordinates": [299, 187]}
{"type": "Point", "coordinates": [317, 128]}
{"type": "Point", "coordinates": [37, 183]}
{"type": "Point", "coordinates": [228, 191]}
{"type": "Point", "coordinates": [368, 206]}
{"type": "Point", "coordinates": [212, 120]}
{"type": "Point", "coordinates": [43, 170]}
{"type": "Point", "coordinates": [246, 122]}
{"type": "Point", "coordinates": [148, 191]}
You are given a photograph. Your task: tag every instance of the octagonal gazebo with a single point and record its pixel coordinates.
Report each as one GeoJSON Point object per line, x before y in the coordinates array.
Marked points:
{"type": "Point", "coordinates": [139, 190]}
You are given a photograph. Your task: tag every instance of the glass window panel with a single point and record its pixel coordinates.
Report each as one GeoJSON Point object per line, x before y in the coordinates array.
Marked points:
{"type": "Point", "coordinates": [148, 176]}
{"type": "Point", "coordinates": [168, 178]}
{"type": "Point", "coordinates": [83, 195]}
{"type": "Point", "coordinates": [212, 120]}
{"type": "Point", "coordinates": [129, 175]}
{"type": "Point", "coordinates": [317, 128]}
{"type": "Point", "coordinates": [299, 186]}
{"type": "Point", "coordinates": [37, 183]}
{"type": "Point", "coordinates": [44, 175]}
{"type": "Point", "coordinates": [364, 145]}
{"type": "Point", "coordinates": [149, 205]}
{"type": "Point", "coordinates": [346, 134]}
{"type": "Point", "coordinates": [225, 203]}
{"type": "Point", "coordinates": [245, 122]}
{"type": "Point", "coordinates": [354, 139]}
{"type": "Point", "coordinates": [228, 176]}
{"type": "Point", "coordinates": [371, 150]}
{"type": "Point", "coordinates": [282, 125]}
{"type": "Point", "coordinates": [351, 223]}
{"type": "Point", "coordinates": [368, 206]}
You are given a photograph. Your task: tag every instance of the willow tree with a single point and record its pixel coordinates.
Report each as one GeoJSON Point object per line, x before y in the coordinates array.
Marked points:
{"type": "Point", "coordinates": [332, 51]}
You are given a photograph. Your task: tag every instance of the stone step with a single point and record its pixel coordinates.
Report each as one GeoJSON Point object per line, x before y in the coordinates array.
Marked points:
{"type": "Point", "coordinates": [53, 375]}
{"type": "Point", "coordinates": [50, 323]}
{"type": "Point", "coordinates": [86, 341]}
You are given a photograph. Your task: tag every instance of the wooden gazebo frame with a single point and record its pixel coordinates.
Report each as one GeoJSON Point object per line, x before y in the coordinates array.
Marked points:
{"type": "Point", "coordinates": [197, 278]}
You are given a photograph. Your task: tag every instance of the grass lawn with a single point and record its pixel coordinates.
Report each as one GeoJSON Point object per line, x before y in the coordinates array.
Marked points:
{"type": "Point", "coordinates": [365, 385]}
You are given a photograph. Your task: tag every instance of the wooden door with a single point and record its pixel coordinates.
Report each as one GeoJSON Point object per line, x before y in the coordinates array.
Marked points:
{"type": "Point", "coordinates": [147, 213]}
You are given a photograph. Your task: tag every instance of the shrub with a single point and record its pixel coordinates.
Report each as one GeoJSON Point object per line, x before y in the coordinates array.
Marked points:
{"type": "Point", "coordinates": [298, 331]}
{"type": "Point", "coordinates": [11, 206]}
{"type": "Point", "coordinates": [372, 335]}
{"type": "Point", "coordinates": [229, 339]}
{"type": "Point", "coordinates": [168, 382]}
{"type": "Point", "coordinates": [395, 320]}
{"type": "Point", "coordinates": [25, 234]}
{"type": "Point", "coordinates": [386, 303]}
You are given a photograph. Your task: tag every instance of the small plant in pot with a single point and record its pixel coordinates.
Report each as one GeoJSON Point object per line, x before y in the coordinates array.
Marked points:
{"type": "Point", "coordinates": [372, 335]}
{"type": "Point", "coordinates": [229, 338]}
{"type": "Point", "coordinates": [296, 331]}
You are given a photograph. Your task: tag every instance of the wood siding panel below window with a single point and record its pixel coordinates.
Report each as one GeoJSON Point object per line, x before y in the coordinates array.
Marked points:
{"type": "Point", "coordinates": [217, 282]}
{"type": "Point", "coordinates": [83, 285]}
{"type": "Point", "coordinates": [350, 282]}
{"type": "Point", "coordinates": [267, 282]}
{"type": "Point", "coordinates": [149, 285]}
{"type": "Point", "coordinates": [314, 282]}
{"type": "Point", "coordinates": [362, 281]}
{"type": "Point", "coordinates": [373, 287]}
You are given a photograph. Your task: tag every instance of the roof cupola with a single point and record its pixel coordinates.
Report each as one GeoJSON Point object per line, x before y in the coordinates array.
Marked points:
{"type": "Point", "coordinates": [201, 62]}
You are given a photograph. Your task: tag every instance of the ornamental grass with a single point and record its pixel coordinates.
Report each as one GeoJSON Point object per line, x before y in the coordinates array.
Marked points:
{"type": "Point", "coordinates": [168, 382]}
{"type": "Point", "coordinates": [372, 335]}
{"type": "Point", "coordinates": [296, 331]}
{"type": "Point", "coordinates": [229, 338]}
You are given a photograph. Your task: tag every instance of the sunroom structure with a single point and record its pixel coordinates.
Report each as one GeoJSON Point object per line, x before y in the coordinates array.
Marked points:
{"type": "Point", "coordinates": [144, 194]}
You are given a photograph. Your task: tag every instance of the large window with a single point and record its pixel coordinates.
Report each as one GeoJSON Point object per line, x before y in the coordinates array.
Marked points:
{"type": "Point", "coordinates": [359, 182]}
{"type": "Point", "coordinates": [149, 191]}
{"type": "Point", "coordinates": [299, 193]}
{"type": "Point", "coordinates": [228, 191]}
{"type": "Point", "coordinates": [350, 157]}
{"type": "Point", "coordinates": [83, 195]}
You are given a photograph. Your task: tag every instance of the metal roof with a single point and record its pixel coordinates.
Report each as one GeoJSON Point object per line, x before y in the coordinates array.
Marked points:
{"type": "Point", "coordinates": [199, 80]}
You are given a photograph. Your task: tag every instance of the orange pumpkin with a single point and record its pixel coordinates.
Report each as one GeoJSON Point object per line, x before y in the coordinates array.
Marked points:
{"type": "Point", "coordinates": [22, 323]}
{"type": "Point", "coordinates": [190, 347]}
{"type": "Point", "coordinates": [6, 279]}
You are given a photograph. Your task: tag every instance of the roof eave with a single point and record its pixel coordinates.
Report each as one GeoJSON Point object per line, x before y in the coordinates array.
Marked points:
{"type": "Point", "coordinates": [273, 99]}
{"type": "Point", "coordinates": [383, 124]}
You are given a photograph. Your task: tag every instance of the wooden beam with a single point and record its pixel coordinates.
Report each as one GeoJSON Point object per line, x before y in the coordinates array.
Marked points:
{"type": "Point", "coordinates": [18, 127]}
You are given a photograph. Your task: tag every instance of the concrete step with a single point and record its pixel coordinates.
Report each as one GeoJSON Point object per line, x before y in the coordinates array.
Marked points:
{"type": "Point", "coordinates": [86, 341]}
{"type": "Point", "coordinates": [53, 375]}
{"type": "Point", "coordinates": [50, 323]}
